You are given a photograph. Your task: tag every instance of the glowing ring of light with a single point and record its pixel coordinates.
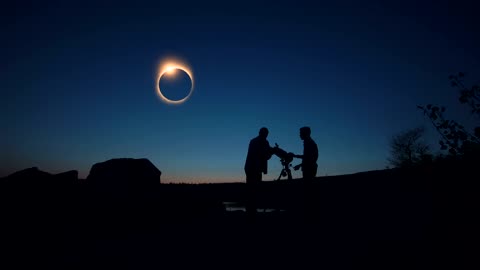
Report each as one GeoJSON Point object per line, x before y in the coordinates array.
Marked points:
{"type": "Point", "coordinates": [170, 67]}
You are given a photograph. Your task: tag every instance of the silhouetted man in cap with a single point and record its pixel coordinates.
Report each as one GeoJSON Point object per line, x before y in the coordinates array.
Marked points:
{"type": "Point", "coordinates": [259, 152]}
{"type": "Point", "coordinates": [310, 155]}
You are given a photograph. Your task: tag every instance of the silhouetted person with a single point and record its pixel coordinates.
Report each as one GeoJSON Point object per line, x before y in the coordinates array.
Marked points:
{"type": "Point", "coordinates": [309, 170]}
{"type": "Point", "coordinates": [259, 152]}
{"type": "Point", "coordinates": [310, 155]}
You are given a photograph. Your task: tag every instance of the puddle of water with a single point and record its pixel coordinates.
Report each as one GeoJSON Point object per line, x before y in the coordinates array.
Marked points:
{"type": "Point", "coordinates": [236, 206]}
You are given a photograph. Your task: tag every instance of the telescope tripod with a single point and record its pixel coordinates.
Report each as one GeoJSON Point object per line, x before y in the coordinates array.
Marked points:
{"type": "Point", "coordinates": [285, 159]}
{"type": "Point", "coordinates": [285, 171]}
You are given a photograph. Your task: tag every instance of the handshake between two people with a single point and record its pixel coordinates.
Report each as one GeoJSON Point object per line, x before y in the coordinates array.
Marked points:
{"type": "Point", "coordinates": [285, 158]}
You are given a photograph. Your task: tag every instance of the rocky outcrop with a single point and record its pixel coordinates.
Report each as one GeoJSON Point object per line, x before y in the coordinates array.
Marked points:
{"type": "Point", "coordinates": [68, 177]}
{"type": "Point", "coordinates": [33, 177]}
{"type": "Point", "coordinates": [124, 175]}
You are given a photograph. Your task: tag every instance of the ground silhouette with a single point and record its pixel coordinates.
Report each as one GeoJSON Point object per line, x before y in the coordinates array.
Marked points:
{"type": "Point", "coordinates": [381, 219]}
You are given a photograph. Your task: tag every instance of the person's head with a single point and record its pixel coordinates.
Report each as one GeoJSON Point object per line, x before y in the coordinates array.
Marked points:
{"type": "Point", "coordinates": [305, 133]}
{"type": "Point", "coordinates": [263, 133]}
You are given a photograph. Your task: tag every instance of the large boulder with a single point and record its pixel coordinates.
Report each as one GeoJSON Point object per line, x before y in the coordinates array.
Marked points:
{"type": "Point", "coordinates": [124, 175]}
{"type": "Point", "coordinates": [28, 177]}
{"type": "Point", "coordinates": [68, 177]}
{"type": "Point", "coordinates": [35, 177]}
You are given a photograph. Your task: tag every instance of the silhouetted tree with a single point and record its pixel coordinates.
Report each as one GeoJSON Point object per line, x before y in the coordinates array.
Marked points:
{"type": "Point", "coordinates": [408, 148]}
{"type": "Point", "coordinates": [455, 138]}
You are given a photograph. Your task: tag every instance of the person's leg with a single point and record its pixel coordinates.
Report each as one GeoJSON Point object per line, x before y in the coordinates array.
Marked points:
{"type": "Point", "coordinates": [253, 179]}
{"type": "Point", "coordinates": [309, 173]}
{"type": "Point", "coordinates": [308, 193]}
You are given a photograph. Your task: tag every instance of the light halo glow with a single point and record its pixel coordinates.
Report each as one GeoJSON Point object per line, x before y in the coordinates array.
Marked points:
{"type": "Point", "coordinates": [169, 68]}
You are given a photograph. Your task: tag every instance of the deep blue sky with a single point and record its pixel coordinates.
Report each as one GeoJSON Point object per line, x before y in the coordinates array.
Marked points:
{"type": "Point", "coordinates": [78, 81]}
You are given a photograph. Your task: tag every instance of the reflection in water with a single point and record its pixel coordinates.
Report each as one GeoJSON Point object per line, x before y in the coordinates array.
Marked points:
{"type": "Point", "coordinates": [239, 206]}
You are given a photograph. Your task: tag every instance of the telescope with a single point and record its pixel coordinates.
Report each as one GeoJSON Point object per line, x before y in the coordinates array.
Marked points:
{"type": "Point", "coordinates": [285, 159]}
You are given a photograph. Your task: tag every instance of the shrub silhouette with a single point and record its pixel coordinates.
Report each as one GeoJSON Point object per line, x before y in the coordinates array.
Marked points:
{"type": "Point", "coordinates": [407, 148]}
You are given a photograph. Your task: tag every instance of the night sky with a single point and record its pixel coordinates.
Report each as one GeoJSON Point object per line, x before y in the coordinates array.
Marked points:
{"type": "Point", "coordinates": [78, 81]}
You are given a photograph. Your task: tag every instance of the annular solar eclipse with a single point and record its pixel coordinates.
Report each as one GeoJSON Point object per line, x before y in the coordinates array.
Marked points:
{"type": "Point", "coordinates": [168, 67]}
